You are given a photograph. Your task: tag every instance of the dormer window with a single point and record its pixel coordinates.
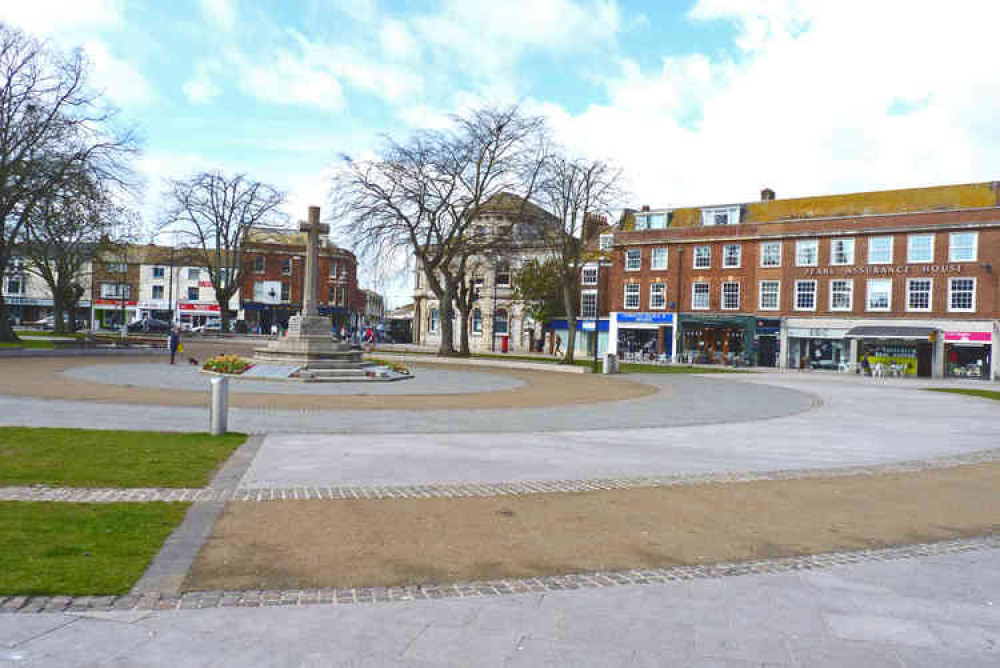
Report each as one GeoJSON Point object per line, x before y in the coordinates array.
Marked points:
{"type": "Point", "coordinates": [650, 221]}
{"type": "Point", "coordinates": [606, 241]}
{"type": "Point", "coordinates": [729, 215]}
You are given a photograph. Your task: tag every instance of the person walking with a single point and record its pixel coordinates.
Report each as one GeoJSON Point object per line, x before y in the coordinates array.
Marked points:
{"type": "Point", "coordinates": [558, 349]}
{"type": "Point", "coordinates": [174, 342]}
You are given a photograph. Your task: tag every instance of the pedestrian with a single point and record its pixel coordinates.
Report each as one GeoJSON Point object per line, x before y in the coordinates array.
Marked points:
{"type": "Point", "coordinates": [558, 349]}
{"type": "Point", "coordinates": [174, 342]}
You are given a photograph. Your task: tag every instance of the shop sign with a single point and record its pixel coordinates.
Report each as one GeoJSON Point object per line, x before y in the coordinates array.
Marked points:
{"type": "Point", "coordinates": [968, 337]}
{"type": "Point", "coordinates": [815, 333]}
{"type": "Point", "coordinates": [27, 301]}
{"type": "Point", "coordinates": [204, 284]}
{"type": "Point", "coordinates": [153, 304]}
{"type": "Point", "coordinates": [114, 303]}
{"type": "Point", "coordinates": [882, 270]}
{"type": "Point", "coordinates": [190, 306]}
{"type": "Point", "coordinates": [646, 318]}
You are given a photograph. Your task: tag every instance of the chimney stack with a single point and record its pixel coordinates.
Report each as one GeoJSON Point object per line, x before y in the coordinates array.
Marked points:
{"type": "Point", "coordinates": [766, 195]}
{"type": "Point", "coordinates": [645, 207]}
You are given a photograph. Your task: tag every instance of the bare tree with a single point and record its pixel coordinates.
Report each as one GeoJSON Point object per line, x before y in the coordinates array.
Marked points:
{"type": "Point", "coordinates": [51, 125]}
{"type": "Point", "coordinates": [216, 213]}
{"type": "Point", "coordinates": [577, 191]}
{"type": "Point", "coordinates": [423, 194]}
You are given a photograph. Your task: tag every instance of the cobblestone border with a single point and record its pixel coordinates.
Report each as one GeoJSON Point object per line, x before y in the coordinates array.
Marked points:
{"type": "Point", "coordinates": [468, 490]}
{"type": "Point", "coordinates": [491, 588]}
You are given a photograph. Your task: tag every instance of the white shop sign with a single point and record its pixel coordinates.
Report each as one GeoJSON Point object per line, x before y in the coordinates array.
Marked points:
{"type": "Point", "coordinates": [815, 333]}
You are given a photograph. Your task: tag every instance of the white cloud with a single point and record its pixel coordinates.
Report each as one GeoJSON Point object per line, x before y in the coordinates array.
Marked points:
{"type": "Point", "coordinates": [221, 13]}
{"type": "Point", "coordinates": [47, 17]}
{"type": "Point", "coordinates": [816, 97]}
{"type": "Point", "coordinates": [289, 79]}
{"type": "Point", "coordinates": [122, 81]}
{"type": "Point", "coordinates": [397, 41]}
{"type": "Point", "coordinates": [201, 88]}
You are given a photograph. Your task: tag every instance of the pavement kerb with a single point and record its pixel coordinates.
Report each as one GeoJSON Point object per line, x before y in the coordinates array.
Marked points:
{"type": "Point", "coordinates": [421, 358]}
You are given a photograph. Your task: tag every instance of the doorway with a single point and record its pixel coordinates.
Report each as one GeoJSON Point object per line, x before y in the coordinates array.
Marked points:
{"type": "Point", "coordinates": [924, 360]}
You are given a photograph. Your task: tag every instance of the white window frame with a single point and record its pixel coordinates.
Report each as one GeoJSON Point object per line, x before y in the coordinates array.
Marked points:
{"type": "Point", "coordinates": [638, 296]}
{"type": "Point", "coordinates": [850, 294]}
{"type": "Point", "coordinates": [153, 289]}
{"type": "Point", "coordinates": [605, 242]}
{"type": "Point", "coordinates": [722, 294]}
{"type": "Point", "coordinates": [815, 294]}
{"type": "Point", "coordinates": [662, 292]}
{"type": "Point", "coordinates": [909, 249]}
{"type": "Point", "coordinates": [638, 259]}
{"type": "Point", "coordinates": [833, 251]}
{"type": "Point", "coordinates": [708, 296]}
{"type": "Point", "coordinates": [868, 295]}
{"type": "Point", "coordinates": [732, 214]}
{"type": "Point", "coordinates": [801, 244]}
{"type": "Point", "coordinates": [951, 246]}
{"type": "Point", "coordinates": [763, 245]}
{"type": "Point", "coordinates": [694, 257]}
{"type": "Point", "coordinates": [951, 282]}
{"type": "Point", "coordinates": [663, 253]}
{"type": "Point", "coordinates": [583, 311]}
{"type": "Point", "coordinates": [930, 295]}
{"type": "Point", "coordinates": [777, 296]}
{"type": "Point", "coordinates": [871, 259]}
{"type": "Point", "coordinates": [433, 320]}
{"type": "Point", "coordinates": [587, 271]}
{"type": "Point", "coordinates": [725, 256]}
{"type": "Point", "coordinates": [477, 331]}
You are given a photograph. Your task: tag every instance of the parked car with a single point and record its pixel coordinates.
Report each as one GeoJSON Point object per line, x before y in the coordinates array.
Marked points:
{"type": "Point", "coordinates": [149, 326]}
{"type": "Point", "coordinates": [210, 326]}
{"type": "Point", "coordinates": [49, 323]}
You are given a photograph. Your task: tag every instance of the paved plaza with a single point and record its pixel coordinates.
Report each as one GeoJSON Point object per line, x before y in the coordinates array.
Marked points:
{"type": "Point", "coordinates": [933, 605]}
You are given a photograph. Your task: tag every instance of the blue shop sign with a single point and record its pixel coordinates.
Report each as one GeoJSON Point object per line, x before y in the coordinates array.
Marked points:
{"type": "Point", "coordinates": [582, 325]}
{"type": "Point", "coordinates": [647, 318]}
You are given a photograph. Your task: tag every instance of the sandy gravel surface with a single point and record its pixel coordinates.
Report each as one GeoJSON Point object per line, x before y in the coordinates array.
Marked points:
{"type": "Point", "coordinates": [291, 544]}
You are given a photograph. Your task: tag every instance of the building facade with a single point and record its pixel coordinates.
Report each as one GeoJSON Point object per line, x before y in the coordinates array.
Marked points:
{"type": "Point", "coordinates": [904, 277]}
{"type": "Point", "coordinates": [28, 297]}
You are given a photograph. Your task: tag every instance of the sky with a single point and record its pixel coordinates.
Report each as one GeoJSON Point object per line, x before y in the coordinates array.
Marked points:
{"type": "Point", "coordinates": [699, 101]}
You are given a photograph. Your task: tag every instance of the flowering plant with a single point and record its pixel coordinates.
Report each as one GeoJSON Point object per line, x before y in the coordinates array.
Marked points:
{"type": "Point", "coordinates": [230, 364]}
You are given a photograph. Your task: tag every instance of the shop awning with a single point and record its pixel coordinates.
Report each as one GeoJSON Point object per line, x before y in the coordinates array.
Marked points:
{"type": "Point", "coordinates": [880, 332]}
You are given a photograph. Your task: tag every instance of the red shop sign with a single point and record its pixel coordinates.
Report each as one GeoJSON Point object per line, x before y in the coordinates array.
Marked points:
{"type": "Point", "coordinates": [113, 302]}
{"type": "Point", "coordinates": [198, 307]}
{"type": "Point", "coordinates": [984, 337]}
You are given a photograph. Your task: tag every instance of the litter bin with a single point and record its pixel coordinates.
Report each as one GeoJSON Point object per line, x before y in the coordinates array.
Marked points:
{"type": "Point", "coordinates": [610, 363]}
{"type": "Point", "coordinates": [504, 343]}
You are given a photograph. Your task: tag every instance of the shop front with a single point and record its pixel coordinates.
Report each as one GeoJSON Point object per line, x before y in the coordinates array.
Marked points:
{"type": "Point", "coordinates": [768, 338]}
{"type": "Point", "coordinates": [910, 350]}
{"type": "Point", "coordinates": [968, 354]}
{"type": "Point", "coordinates": [717, 339]}
{"type": "Point", "coordinates": [155, 308]}
{"type": "Point", "coordinates": [817, 348]}
{"type": "Point", "coordinates": [585, 329]}
{"type": "Point", "coordinates": [196, 314]}
{"type": "Point", "coordinates": [111, 314]}
{"type": "Point", "coordinates": [261, 316]}
{"type": "Point", "coordinates": [641, 337]}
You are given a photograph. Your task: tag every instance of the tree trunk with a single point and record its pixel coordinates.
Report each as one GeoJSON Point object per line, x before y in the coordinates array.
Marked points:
{"type": "Point", "coordinates": [463, 323]}
{"type": "Point", "coordinates": [570, 305]}
{"type": "Point", "coordinates": [222, 299]}
{"type": "Point", "coordinates": [58, 313]}
{"type": "Point", "coordinates": [445, 308]}
{"type": "Point", "coordinates": [7, 334]}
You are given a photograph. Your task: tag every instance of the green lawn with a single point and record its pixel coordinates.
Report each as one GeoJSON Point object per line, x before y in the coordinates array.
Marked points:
{"type": "Point", "coordinates": [27, 343]}
{"type": "Point", "coordinates": [984, 394]}
{"type": "Point", "coordinates": [95, 458]}
{"type": "Point", "coordinates": [34, 332]}
{"type": "Point", "coordinates": [673, 368]}
{"type": "Point", "coordinates": [80, 548]}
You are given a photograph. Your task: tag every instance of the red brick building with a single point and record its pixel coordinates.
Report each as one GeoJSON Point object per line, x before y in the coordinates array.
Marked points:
{"type": "Point", "coordinates": [273, 274]}
{"type": "Point", "coordinates": [906, 277]}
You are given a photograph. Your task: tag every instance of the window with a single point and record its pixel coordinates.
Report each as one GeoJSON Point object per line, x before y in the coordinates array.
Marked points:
{"type": "Point", "coordinates": [842, 251]}
{"type": "Point", "coordinates": [606, 241]}
{"type": "Point", "coordinates": [730, 296]}
{"type": "Point", "coordinates": [632, 296]}
{"type": "Point", "coordinates": [193, 294]}
{"type": "Point", "coordinates": [962, 247]}
{"type": "Point", "coordinates": [659, 258]}
{"type": "Point", "coordinates": [658, 296]}
{"type": "Point", "coordinates": [15, 285]}
{"type": "Point", "coordinates": [841, 295]}
{"type": "Point", "coordinates": [920, 248]}
{"type": "Point", "coordinates": [633, 259]}
{"type": "Point", "coordinates": [918, 294]}
{"type": "Point", "coordinates": [435, 320]}
{"type": "Point", "coordinates": [157, 292]}
{"type": "Point", "coordinates": [116, 267]}
{"type": "Point", "coordinates": [116, 291]}
{"type": "Point", "coordinates": [158, 272]}
{"type": "Point", "coordinates": [333, 270]}
{"type": "Point", "coordinates": [503, 275]}
{"type": "Point", "coordinates": [805, 295]}
{"type": "Point", "coordinates": [286, 292]}
{"type": "Point", "coordinates": [650, 221]}
{"type": "Point", "coordinates": [731, 256]}
{"type": "Point", "coordinates": [589, 276]}
{"type": "Point", "coordinates": [769, 295]}
{"type": "Point", "coordinates": [477, 321]}
{"type": "Point", "coordinates": [807, 253]}
{"type": "Point", "coordinates": [588, 304]}
{"type": "Point", "coordinates": [961, 294]}
{"type": "Point", "coordinates": [770, 254]}
{"type": "Point", "coordinates": [879, 294]}
{"type": "Point", "coordinates": [880, 250]}
{"type": "Point", "coordinates": [699, 295]}
{"type": "Point", "coordinates": [725, 216]}
{"type": "Point", "coordinates": [258, 264]}
{"type": "Point", "coordinates": [194, 274]}
{"type": "Point", "coordinates": [702, 257]}
{"type": "Point", "coordinates": [286, 266]}
{"type": "Point", "coordinates": [500, 324]}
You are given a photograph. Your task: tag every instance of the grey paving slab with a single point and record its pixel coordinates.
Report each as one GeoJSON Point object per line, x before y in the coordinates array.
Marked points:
{"type": "Point", "coordinates": [698, 623]}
